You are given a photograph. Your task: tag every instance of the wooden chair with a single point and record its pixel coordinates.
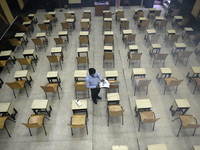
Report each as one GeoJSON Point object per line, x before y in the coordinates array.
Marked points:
{"type": "Point", "coordinates": [109, 40]}
{"type": "Point", "coordinates": [130, 39]}
{"type": "Point", "coordinates": [183, 54]}
{"type": "Point", "coordinates": [86, 16]}
{"type": "Point", "coordinates": [25, 61]}
{"type": "Point", "coordinates": [54, 59]}
{"type": "Point", "coordinates": [172, 38]}
{"type": "Point", "coordinates": [183, 23]}
{"type": "Point", "coordinates": [162, 24]}
{"type": "Point", "coordinates": [66, 26]}
{"type": "Point", "coordinates": [124, 25]}
{"type": "Point", "coordinates": [60, 41]}
{"type": "Point", "coordinates": [82, 60]}
{"type": "Point", "coordinates": [193, 38]}
{"type": "Point", "coordinates": [115, 110]}
{"type": "Point", "coordinates": [188, 122]}
{"type": "Point", "coordinates": [153, 39]}
{"type": "Point", "coordinates": [81, 86]}
{"type": "Point", "coordinates": [107, 15]}
{"type": "Point", "coordinates": [51, 87]}
{"type": "Point", "coordinates": [45, 28]}
{"type": "Point", "coordinates": [68, 15]}
{"type": "Point", "coordinates": [84, 40]}
{"type": "Point", "coordinates": [174, 13]}
{"type": "Point", "coordinates": [78, 121]}
{"type": "Point", "coordinates": [141, 82]}
{"type": "Point", "coordinates": [172, 82]}
{"type": "Point", "coordinates": [197, 80]}
{"type": "Point", "coordinates": [26, 18]}
{"type": "Point", "coordinates": [3, 122]}
{"type": "Point", "coordinates": [106, 26]}
{"type": "Point", "coordinates": [143, 25]}
{"type": "Point", "coordinates": [3, 63]}
{"type": "Point", "coordinates": [49, 17]}
{"type": "Point", "coordinates": [160, 57]}
{"type": "Point", "coordinates": [108, 56]}
{"type": "Point", "coordinates": [134, 56]}
{"type": "Point", "coordinates": [38, 42]}
{"type": "Point", "coordinates": [114, 84]}
{"type": "Point", "coordinates": [15, 42]}
{"type": "Point", "coordinates": [85, 26]}
{"type": "Point", "coordinates": [35, 121]}
{"type": "Point", "coordinates": [147, 116]}
{"type": "Point", "coordinates": [157, 13]}
{"type": "Point", "coordinates": [127, 3]}
{"type": "Point", "coordinates": [139, 14]}
{"type": "Point", "coordinates": [25, 29]}
{"type": "Point", "coordinates": [120, 14]}
{"type": "Point", "coordinates": [17, 85]}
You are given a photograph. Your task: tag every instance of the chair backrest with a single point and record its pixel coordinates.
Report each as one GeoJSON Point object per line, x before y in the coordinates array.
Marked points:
{"type": "Point", "coordinates": [108, 39]}
{"type": "Point", "coordinates": [140, 14]}
{"type": "Point", "coordinates": [124, 24]}
{"type": "Point", "coordinates": [109, 55]}
{"type": "Point", "coordinates": [65, 25]}
{"type": "Point", "coordinates": [85, 25]}
{"type": "Point", "coordinates": [163, 23]}
{"type": "Point", "coordinates": [120, 14]}
{"type": "Point", "coordinates": [59, 40]}
{"type": "Point", "coordinates": [114, 84]}
{"type": "Point", "coordinates": [150, 120]}
{"type": "Point", "coordinates": [145, 23]}
{"type": "Point", "coordinates": [107, 15]}
{"type": "Point", "coordinates": [53, 58]}
{"type": "Point", "coordinates": [175, 12]}
{"type": "Point", "coordinates": [25, 18]}
{"type": "Point", "coordinates": [81, 60]}
{"type": "Point", "coordinates": [144, 82]}
{"type": "Point", "coordinates": [3, 63]}
{"type": "Point", "coordinates": [130, 37]}
{"type": "Point", "coordinates": [173, 37]}
{"type": "Point", "coordinates": [83, 39]}
{"type": "Point", "coordinates": [48, 88]}
{"type": "Point", "coordinates": [135, 56]}
{"type": "Point", "coordinates": [175, 82]}
{"type": "Point", "coordinates": [185, 54]}
{"type": "Point", "coordinates": [161, 56]}
{"type": "Point", "coordinates": [48, 17]}
{"type": "Point", "coordinates": [184, 21]}
{"type": "Point", "coordinates": [22, 27]}
{"type": "Point", "coordinates": [86, 15]}
{"type": "Point", "coordinates": [155, 38]}
{"type": "Point", "coordinates": [77, 126]}
{"type": "Point", "coordinates": [23, 61]}
{"type": "Point", "coordinates": [157, 12]}
{"type": "Point", "coordinates": [14, 42]}
{"type": "Point", "coordinates": [115, 111]}
{"type": "Point", "coordinates": [80, 86]}
{"type": "Point", "coordinates": [37, 41]}
{"type": "Point", "coordinates": [43, 26]}
{"type": "Point", "coordinates": [192, 126]}
{"type": "Point", "coordinates": [106, 25]}
{"type": "Point", "coordinates": [31, 125]}
{"type": "Point", "coordinates": [68, 15]}
{"type": "Point", "coordinates": [16, 84]}
{"type": "Point", "coordinates": [197, 36]}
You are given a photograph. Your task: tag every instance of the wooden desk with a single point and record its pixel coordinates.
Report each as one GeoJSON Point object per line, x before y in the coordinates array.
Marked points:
{"type": "Point", "coordinates": [53, 77]}
{"type": "Point", "coordinates": [113, 98]}
{"type": "Point", "coordinates": [84, 33]}
{"type": "Point", "coordinates": [42, 35]}
{"type": "Point", "coordinates": [7, 110]}
{"type": "Point", "coordinates": [126, 32]}
{"type": "Point", "coordinates": [77, 109]}
{"type": "Point", "coordinates": [41, 106]}
{"type": "Point", "coordinates": [48, 23]}
{"type": "Point", "coordinates": [178, 46]}
{"type": "Point", "coordinates": [119, 147]}
{"type": "Point", "coordinates": [80, 74]}
{"type": "Point", "coordinates": [186, 32]}
{"type": "Point", "coordinates": [111, 74]}
{"type": "Point", "coordinates": [23, 36]}
{"type": "Point", "coordinates": [71, 21]}
{"type": "Point", "coordinates": [82, 50]}
{"type": "Point", "coordinates": [142, 104]}
{"type": "Point", "coordinates": [133, 48]}
{"type": "Point", "coordinates": [138, 72]}
{"type": "Point", "coordinates": [63, 33]}
{"type": "Point", "coordinates": [89, 12]}
{"type": "Point", "coordinates": [8, 54]}
{"type": "Point", "coordinates": [58, 50]}
{"type": "Point", "coordinates": [169, 32]}
{"type": "Point", "coordinates": [30, 52]}
{"type": "Point", "coordinates": [166, 72]}
{"type": "Point", "coordinates": [195, 148]}
{"type": "Point", "coordinates": [193, 73]}
{"type": "Point", "coordinates": [20, 75]}
{"type": "Point", "coordinates": [100, 7]}
{"type": "Point", "coordinates": [149, 32]}
{"type": "Point", "coordinates": [180, 105]}
{"type": "Point", "coordinates": [156, 147]}
{"type": "Point", "coordinates": [154, 47]}
{"type": "Point", "coordinates": [108, 48]}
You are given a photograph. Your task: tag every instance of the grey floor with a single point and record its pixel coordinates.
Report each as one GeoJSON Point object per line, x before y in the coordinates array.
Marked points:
{"type": "Point", "coordinates": [100, 135]}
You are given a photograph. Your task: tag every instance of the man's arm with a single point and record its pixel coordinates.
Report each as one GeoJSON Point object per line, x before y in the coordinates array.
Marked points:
{"type": "Point", "coordinates": [98, 76]}
{"type": "Point", "coordinates": [88, 84]}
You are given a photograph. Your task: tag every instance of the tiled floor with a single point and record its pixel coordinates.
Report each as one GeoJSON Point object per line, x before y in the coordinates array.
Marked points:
{"type": "Point", "coordinates": [100, 135]}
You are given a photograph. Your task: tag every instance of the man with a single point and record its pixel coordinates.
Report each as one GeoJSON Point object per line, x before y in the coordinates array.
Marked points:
{"type": "Point", "coordinates": [92, 82]}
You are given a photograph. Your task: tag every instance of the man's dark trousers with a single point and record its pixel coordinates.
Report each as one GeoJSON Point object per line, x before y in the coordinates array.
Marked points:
{"type": "Point", "coordinates": [95, 93]}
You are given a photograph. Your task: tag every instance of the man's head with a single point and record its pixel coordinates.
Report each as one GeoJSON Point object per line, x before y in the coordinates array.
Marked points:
{"type": "Point", "coordinates": [92, 71]}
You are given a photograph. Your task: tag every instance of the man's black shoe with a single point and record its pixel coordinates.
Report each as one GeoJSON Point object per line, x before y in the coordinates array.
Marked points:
{"type": "Point", "coordinates": [99, 97]}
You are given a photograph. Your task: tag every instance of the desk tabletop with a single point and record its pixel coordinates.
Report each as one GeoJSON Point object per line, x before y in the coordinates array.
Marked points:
{"type": "Point", "coordinates": [119, 147]}
{"type": "Point", "coordinates": [188, 29]}
{"type": "Point", "coordinates": [127, 32]}
{"type": "Point", "coordinates": [182, 103]}
{"type": "Point", "coordinates": [46, 21]}
{"type": "Point", "coordinates": [196, 148]}
{"type": "Point", "coordinates": [165, 70]}
{"type": "Point", "coordinates": [108, 33]}
{"type": "Point", "coordinates": [180, 45]}
{"type": "Point", "coordinates": [156, 45]}
{"type": "Point", "coordinates": [22, 73]}
{"type": "Point", "coordinates": [113, 73]}
{"type": "Point", "coordinates": [71, 12]}
{"type": "Point", "coordinates": [152, 9]}
{"type": "Point", "coordinates": [52, 12]}
{"type": "Point", "coordinates": [31, 15]}
{"type": "Point", "coordinates": [69, 20]}
{"type": "Point", "coordinates": [196, 69]}
{"type": "Point", "coordinates": [42, 34]}
{"type": "Point", "coordinates": [80, 73]}
{"type": "Point", "coordinates": [178, 17]}
{"type": "Point", "coordinates": [107, 19]}
{"type": "Point", "coordinates": [51, 74]}
{"type": "Point", "coordinates": [142, 18]}
{"type": "Point", "coordinates": [156, 147]}
{"type": "Point", "coordinates": [119, 10]}
{"type": "Point", "coordinates": [28, 51]}
{"type": "Point", "coordinates": [87, 11]}
{"type": "Point", "coordinates": [85, 20]}
{"type": "Point", "coordinates": [108, 48]}
{"type": "Point", "coordinates": [138, 71]}
{"type": "Point", "coordinates": [133, 47]}
{"type": "Point", "coordinates": [171, 31]}
{"type": "Point", "coordinates": [6, 53]}
{"type": "Point", "coordinates": [159, 18]}
{"type": "Point", "coordinates": [104, 11]}
{"type": "Point", "coordinates": [62, 32]}
{"type": "Point", "coordinates": [151, 31]}
{"type": "Point", "coordinates": [19, 34]}
{"type": "Point", "coordinates": [56, 49]}
{"type": "Point", "coordinates": [4, 107]}
{"type": "Point", "coordinates": [83, 102]}
{"type": "Point", "coordinates": [26, 22]}
{"type": "Point", "coordinates": [39, 104]}
{"type": "Point", "coordinates": [84, 33]}
{"type": "Point", "coordinates": [82, 49]}
{"type": "Point", "coordinates": [143, 103]}
{"type": "Point", "coordinates": [123, 19]}
{"type": "Point", "coordinates": [113, 96]}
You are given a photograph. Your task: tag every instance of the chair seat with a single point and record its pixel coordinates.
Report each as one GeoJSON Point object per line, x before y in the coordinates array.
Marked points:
{"type": "Point", "coordinates": [146, 115]}
{"type": "Point", "coordinates": [187, 119]}
{"type": "Point", "coordinates": [192, 37]}
{"type": "Point", "coordinates": [29, 60]}
{"type": "Point", "coordinates": [80, 83]}
{"type": "Point", "coordinates": [138, 79]}
{"type": "Point", "coordinates": [114, 107]}
{"type": "Point", "coordinates": [78, 119]}
{"type": "Point", "coordinates": [197, 80]}
{"type": "Point", "coordinates": [168, 80]}
{"type": "Point", "coordinates": [3, 63]}
{"type": "Point", "coordinates": [54, 85]}
{"type": "Point", "coordinates": [20, 42]}
{"type": "Point", "coordinates": [2, 121]}
{"type": "Point", "coordinates": [21, 83]}
{"type": "Point", "coordinates": [37, 119]}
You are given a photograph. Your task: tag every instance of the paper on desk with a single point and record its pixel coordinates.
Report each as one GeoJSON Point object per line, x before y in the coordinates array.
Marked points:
{"type": "Point", "coordinates": [104, 84]}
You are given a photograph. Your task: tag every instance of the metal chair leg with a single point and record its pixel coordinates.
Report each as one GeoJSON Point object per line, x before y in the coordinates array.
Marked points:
{"type": "Point", "coordinates": [30, 131]}
{"type": "Point", "coordinates": [139, 124]}
{"type": "Point", "coordinates": [7, 131]}
{"type": "Point", "coordinates": [46, 95]}
{"type": "Point", "coordinates": [26, 90]}
{"type": "Point", "coordinates": [195, 88]}
{"type": "Point", "coordinates": [14, 93]}
{"type": "Point", "coordinates": [179, 130]}
{"type": "Point", "coordinates": [176, 89]}
{"type": "Point", "coordinates": [108, 117]}
{"type": "Point", "coordinates": [32, 66]}
{"type": "Point", "coordinates": [58, 94]}
{"type": "Point", "coordinates": [44, 130]}
{"type": "Point", "coordinates": [50, 66]}
{"type": "Point", "coordinates": [165, 88]}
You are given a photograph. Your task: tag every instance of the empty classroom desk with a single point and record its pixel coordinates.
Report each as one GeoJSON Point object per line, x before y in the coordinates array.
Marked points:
{"type": "Point", "coordinates": [113, 98]}
{"type": "Point", "coordinates": [23, 36]}
{"type": "Point", "coordinates": [82, 50]}
{"type": "Point", "coordinates": [63, 33]}
{"type": "Point", "coordinates": [164, 73]}
{"type": "Point", "coordinates": [33, 17]}
{"type": "Point", "coordinates": [53, 77]}
{"type": "Point", "coordinates": [141, 105]}
{"type": "Point", "coordinates": [156, 147]}
{"type": "Point", "coordinates": [8, 54]}
{"type": "Point", "coordinates": [42, 35]}
{"type": "Point", "coordinates": [178, 47]}
{"type": "Point", "coordinates": [88, 11]}
{"type": "Point", "coordinates": [169, 32]}
{"type": "Point", "coordinates": [84, 33]}
{"type": "Point", "coordinates": [125, 33]}
{"type": "Point", "coordinates": [195, 148]}
{"type": "Point", "coordinates": [193, 73]}
{"type": "Point", "coordinates": [80, 74]}
{"type": "Point", "coordinates": [24, 74]}
{"type": "Point", "coordinates": [186, 33]}
{"type": "Point", "coordinates": [57, 50]}
{"type": "Point", "coordinates": [111, 74]}
{"type": "Point", "coordinates": [108, 48]}
{"type": "Point", "coordinates": [119, 147]}
{"type": "Point", "coordinates": [149, 32]}
{"type": "Point", "coordinates": [138, 72]}
{"type": "Point", "coordinates": [71, 21]}
{"type": "Point", "coordinates": [180, 105]}
{"type": "Point", "coordinates": [7, 109]}
{"type": "Point", "coordinates": [72, 13]}
{"type": "Point", "coordinates": [48, 23]}
{"type": "Point", "coordinates": [30, 52]}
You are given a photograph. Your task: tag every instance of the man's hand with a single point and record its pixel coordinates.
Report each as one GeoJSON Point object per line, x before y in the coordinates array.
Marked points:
{"type": "Point", "coordinates": [97, 86]}
{"type": "Point", "coordinates": [102, 80]}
